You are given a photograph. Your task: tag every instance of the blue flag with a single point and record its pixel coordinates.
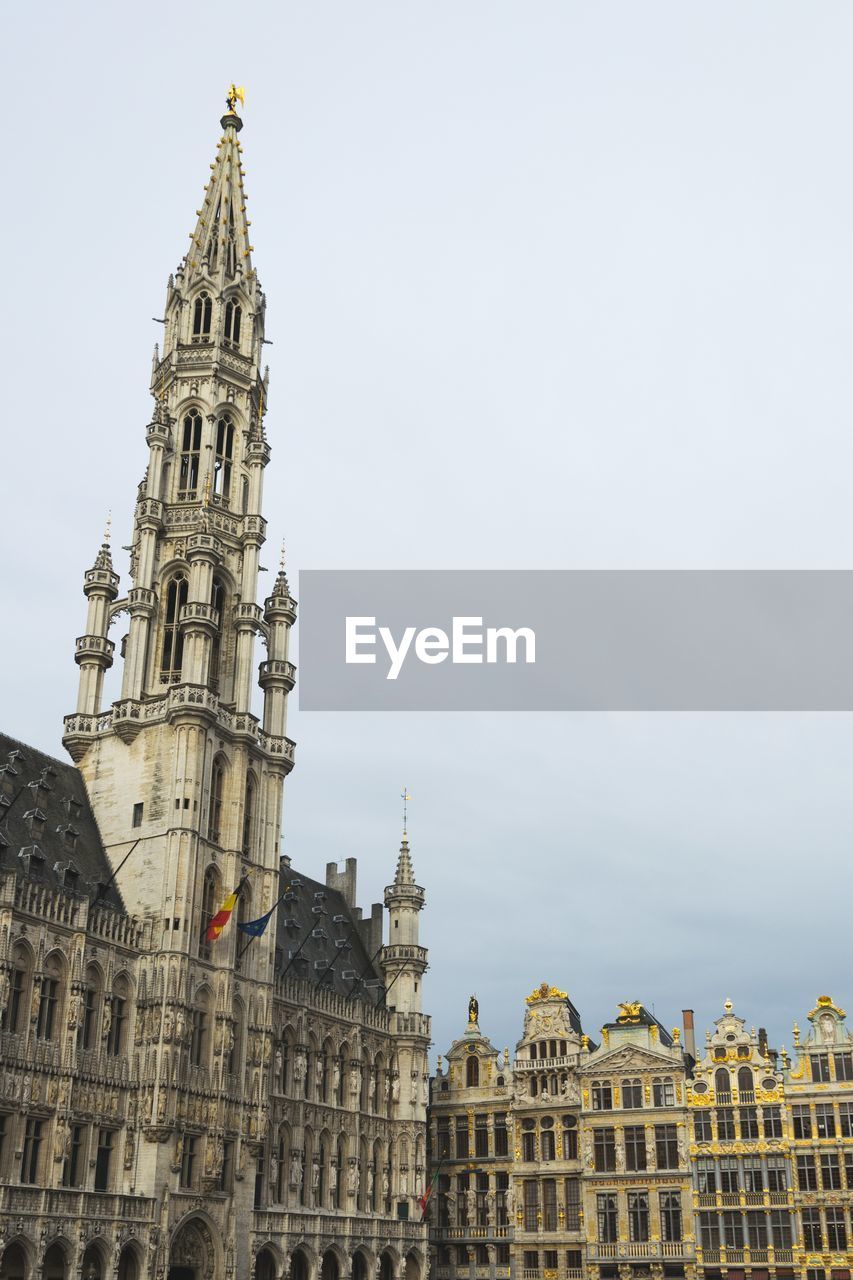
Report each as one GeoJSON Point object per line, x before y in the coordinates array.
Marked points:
{"type": "Point", "coordinates": [255, 928]}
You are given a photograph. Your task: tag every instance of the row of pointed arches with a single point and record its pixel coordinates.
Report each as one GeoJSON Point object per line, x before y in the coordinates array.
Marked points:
{"type": "Point", "coordinates": [19, 1261]}
{"type": "Point", "coordinates": [196, 1244]}
{"type": "Point", "coordinates": [99, 1011]}
{"type": "Point", "coordinates": [329, 1172]}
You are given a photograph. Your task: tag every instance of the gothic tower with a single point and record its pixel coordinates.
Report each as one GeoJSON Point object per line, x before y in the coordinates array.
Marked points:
{"type": "Point", "coordinates": [186, 783]}
{"type": "Point", "coordinates": [404, 962]}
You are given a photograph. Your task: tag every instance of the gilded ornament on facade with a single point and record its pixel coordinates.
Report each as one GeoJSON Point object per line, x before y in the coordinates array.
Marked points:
{"type": "Point", "coordinates": [544, 992]}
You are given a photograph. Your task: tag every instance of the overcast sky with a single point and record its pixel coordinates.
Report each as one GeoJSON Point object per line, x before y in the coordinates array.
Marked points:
{"type": "Point", "coordinates": [551, 285]}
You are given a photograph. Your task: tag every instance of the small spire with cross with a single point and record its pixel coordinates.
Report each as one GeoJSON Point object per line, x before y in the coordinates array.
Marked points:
{"type": "Point", "coordinates": [405, 797]}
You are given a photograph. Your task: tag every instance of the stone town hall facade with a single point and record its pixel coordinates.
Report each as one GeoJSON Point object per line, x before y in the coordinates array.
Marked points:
{"type": "Point", "coordinates": [169, 1107]}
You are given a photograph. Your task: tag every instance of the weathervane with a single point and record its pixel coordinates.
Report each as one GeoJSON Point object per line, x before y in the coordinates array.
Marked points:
{"type": "Point", "coordinates": [405, 797]}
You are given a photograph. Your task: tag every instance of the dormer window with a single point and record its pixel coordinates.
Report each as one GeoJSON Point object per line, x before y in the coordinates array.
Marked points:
{"type": "Point", "coordinates": [233, 317]}
{"type": "Point", "coordinates": [70, 876]}
{"type": "Point", "coordinates": [202, 316]}
{"type": "Point", "coordinates": [35, 820]}
{"type": "Point", "coordinates": [33, 860]}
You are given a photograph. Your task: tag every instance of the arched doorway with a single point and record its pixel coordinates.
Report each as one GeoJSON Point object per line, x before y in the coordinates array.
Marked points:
{"type": "Point", "coordinates": [413, 1267]}
{"type": "Point", "coordinates": [54, 1265]}
{"type": "Point", "coordinates": [192, 1255]}
{"type": "Point", "coordinates": [330, 1268]}
{"type": "Point", "coordinates": [92, 1267]}
{"type": "Point", "coordinates": [128, 1264]}
{"type": "Point", "coordinates": [265, 1268]}
{"type": "Point", "coordinates": [13, 1264]}
{"type": "Point", "coordinates": [299, 1268]}
{"type": "Point", "coordinates": [386, 1267]}
{"type": "Point", "coordinates": [359, 1266]}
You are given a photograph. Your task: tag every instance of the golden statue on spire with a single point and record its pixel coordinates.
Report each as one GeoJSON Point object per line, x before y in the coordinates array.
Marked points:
{"type": "Point", "coordinates": [236, 93]}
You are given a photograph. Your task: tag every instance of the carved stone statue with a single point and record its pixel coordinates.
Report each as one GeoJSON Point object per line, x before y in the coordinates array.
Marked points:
{"type": "Point", "coordinates": [336, 1077]}
{"type": "Point", "coordinates": [395, 1087]}
{"type": "Point", "coordinates": [333, 1179]}
{"type": "Point", "coordinates": [295, 1169]}
{"type": "Point", "coordinates": [4, 989]}
{"type": "Point", "coordinates": [315, 1176]}
{"type": "Point", "coordinates": [352, 1179]}
{"type": "Point", "coordinates": [353, 1081]}
{"type": "Point", "coordinates": [473, 1010]}
{"type": "Point", "coordinates": [300, 1067]}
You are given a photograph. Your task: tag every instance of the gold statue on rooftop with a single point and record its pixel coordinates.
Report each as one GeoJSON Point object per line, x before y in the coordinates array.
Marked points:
{"type": "Point", "coordinates": [236, 93]}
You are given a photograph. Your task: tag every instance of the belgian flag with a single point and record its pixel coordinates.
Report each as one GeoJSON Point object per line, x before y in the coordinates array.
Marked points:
{"type": "Point", "coordinates": [223, 915]}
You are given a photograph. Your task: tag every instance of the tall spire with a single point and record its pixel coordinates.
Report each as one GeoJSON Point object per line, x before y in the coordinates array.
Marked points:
{"type": "Point", "coordinates": [220, 248]}
{"type": "Point", "coordinates": [405, 875]}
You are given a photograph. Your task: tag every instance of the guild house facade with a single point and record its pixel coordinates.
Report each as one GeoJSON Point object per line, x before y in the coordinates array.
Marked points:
{"type": "Point", "coordinates": [638, 1157]}
{"type": "Point", "coordinates": [182, 1098]}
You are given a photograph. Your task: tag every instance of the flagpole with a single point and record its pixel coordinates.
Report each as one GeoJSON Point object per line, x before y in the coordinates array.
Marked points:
{"type": "Point", "coordinates": [252, 936]}
{"type": "Point", "coordinates": [362, 975]}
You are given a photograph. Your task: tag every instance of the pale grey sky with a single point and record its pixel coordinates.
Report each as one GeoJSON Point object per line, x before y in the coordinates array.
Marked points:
{"type": "Point", "coordinates": [552, 285]}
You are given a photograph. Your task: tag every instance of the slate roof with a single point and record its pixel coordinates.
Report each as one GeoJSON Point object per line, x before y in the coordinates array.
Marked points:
{"type": "Point", "coordinates": [353, 972]}
{"type": "Point", "coordinates": [47, 828]}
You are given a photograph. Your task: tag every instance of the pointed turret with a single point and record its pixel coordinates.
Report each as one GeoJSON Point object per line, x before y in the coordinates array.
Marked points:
{"type": "Point", "coordinates": [405, 875]}
{"type": "Point", "coordinates": [94, 651]}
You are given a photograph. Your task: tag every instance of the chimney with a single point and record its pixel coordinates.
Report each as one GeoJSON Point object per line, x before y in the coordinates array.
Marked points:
{"type": "Point", "coordinates": [689, 1033]}
{"type": "Point", "coordinates": [342, 881]}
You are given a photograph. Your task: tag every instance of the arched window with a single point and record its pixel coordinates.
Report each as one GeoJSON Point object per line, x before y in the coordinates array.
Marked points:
{"type": "Point", "coordinates": [223, 458]}
{"type": "Point", "coordinates": [48, 1022]}
{"type": "Point", "coordinates": [190, 456]}
{"type": "Point", "coordinates": [217, 600]}
{"type": "Point", "coordinates": [199, 1031]}
{"type": "Point", "coordinates": [173, 640]}
{"type": "Point", "coordinates": [15, 1016]}
{"type": "Point", "coordinates": [745, 1085]}
{"type": "Point", "coordinates": [233, 316]}
{"type": "Point", "coordinates": [547, 1144]}
{"type": "Point", "coordinates": [722, 1084]}
{"type": "Point", "coordinates": [202, 315]}
{"type": "Point", "coordinates": [632, 1092]}
{"type": "Point", "coordinates": [210, 903]}
{"type": "Point", "coordinates": [214, 822]}
{"type": "Point", "coordinates": [472, 1071]}
{"type": "Point", "coordinates": [89, 1015]}
{"type": "Point", "coordinates": [249, 814]}
{"type": "Point", "coordinates": [118, 1010]}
